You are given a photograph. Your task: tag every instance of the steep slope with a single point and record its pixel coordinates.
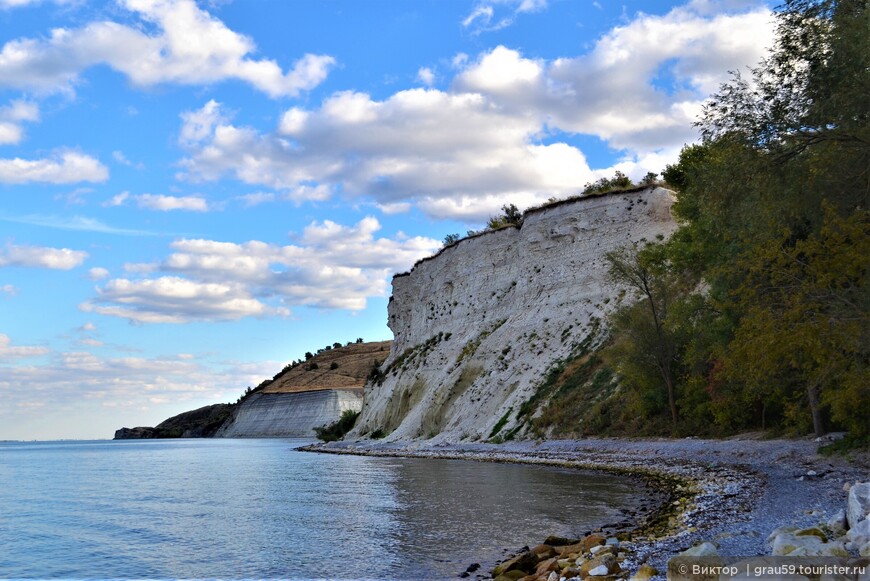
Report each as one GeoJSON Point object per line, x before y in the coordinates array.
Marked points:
{"type": "Point", "coordinates": [477, 326]}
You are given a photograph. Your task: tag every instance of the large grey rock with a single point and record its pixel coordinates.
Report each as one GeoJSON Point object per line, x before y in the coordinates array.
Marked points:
{"type": "Point", "coordinates": [788, 544]}
{"type": "Point", "coordinates": [858, 507]}
{"type": "Point", "coordinates": [598, 571]}
{"type": "Point", "coordinates": [837, 523]}
{"type": "Point", "coordinates": [477, 326]}
{"type": "Point", "coordinates": [779, 530]}
{"type": "Point", "coordinates": [860, 533]}
{"type": "Point", "coordinates": [264, 415]}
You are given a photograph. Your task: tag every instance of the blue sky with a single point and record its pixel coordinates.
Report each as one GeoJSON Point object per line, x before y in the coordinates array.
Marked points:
{"type": "Point", "coordinates": [193, 194]}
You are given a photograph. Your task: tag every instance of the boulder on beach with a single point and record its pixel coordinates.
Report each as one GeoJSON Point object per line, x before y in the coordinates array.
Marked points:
{"type": "Point", "coordinates": [860, 533]}
{"type": "Point", "coordinates": [645, 573]}
{"type": "Point", "coordinates": [525, 562]}
{"type": "Point", "coordinates": [858, 507]}
{"type": "Point", "coordinates": [837, 523]}
{"type": "Point", "coordinates": [789, 544]}
{"type": "Point", "coordinates": [703, 550]}
{"type": "Point", "coordinates": [605, 563]}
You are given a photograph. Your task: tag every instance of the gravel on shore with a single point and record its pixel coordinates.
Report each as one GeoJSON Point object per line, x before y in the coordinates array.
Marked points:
{"type": "Point", "coordinates": [733, 492]}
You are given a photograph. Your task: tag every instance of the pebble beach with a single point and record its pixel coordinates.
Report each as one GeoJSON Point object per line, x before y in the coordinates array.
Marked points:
{"type": "Point", "coordinates": [728, 495]}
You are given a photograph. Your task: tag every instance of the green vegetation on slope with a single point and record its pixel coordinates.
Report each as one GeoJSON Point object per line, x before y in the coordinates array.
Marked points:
{"type": "Point", "coordinates": [338, 429]}
{"type": "Point", "coordinates": [756, 313]}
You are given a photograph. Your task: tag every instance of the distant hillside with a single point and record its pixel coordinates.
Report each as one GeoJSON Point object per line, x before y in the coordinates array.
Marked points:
{"type": "Point", "coordinates": [343, 368]}
{"type": "Point", "coordinates": [199, 423]}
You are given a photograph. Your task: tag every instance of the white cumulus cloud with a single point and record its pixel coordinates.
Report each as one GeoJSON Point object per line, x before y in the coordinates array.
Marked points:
{"type": "Point", "coordinates": [426, 76]}
{"type": "Point", "coordinates": [170, 299]}
{"type": "Point", "coordinates": [421, 144]}
{"type": "Point", "coordinates": [12, 117]}
{"type": "Point", "coordinates": [41, 257]}
{"type": "Point", "coordinates": [9, 352]}
{"type": "Point", "coordinates": [67, 166]}
{"type": "Point", "coordinates": [502, 130]}
{"type": "Point", "coordinates": [331, 266]}
{"type": "Point", "coordinates": [168, 203]}
{"type": "Point", "coordinates": [188, 46]}
{"type": "Point", "coordinates": [98, 273]}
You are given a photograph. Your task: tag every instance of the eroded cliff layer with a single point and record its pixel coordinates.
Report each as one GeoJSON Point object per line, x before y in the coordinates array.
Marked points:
{"type": "Point", "coordinates": [266, 415]}
{"type": "Point", "coordinates": [477, 326]}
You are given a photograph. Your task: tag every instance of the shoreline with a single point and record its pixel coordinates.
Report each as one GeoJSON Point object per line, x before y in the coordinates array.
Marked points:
{"type": "Point", "coordinates": [732, 492]}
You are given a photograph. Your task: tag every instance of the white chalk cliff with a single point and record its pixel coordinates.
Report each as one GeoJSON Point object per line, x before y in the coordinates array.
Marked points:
{"type": "Point", "coordinates": [477, 326]}
{"type": "Point", "coordinates": [289, 415]}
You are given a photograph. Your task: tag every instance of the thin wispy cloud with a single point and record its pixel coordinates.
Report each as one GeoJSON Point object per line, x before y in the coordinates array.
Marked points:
{"type": "Point", "coordinates": [485, 16]}
{"type": "Point", "coordinates": [80, 223]}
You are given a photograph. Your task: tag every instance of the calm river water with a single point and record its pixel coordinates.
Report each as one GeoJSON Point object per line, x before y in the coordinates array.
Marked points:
{"type": "Point", "coordinates": [256, 508]}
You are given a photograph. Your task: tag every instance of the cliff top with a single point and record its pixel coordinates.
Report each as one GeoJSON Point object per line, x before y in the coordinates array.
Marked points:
{"type": "Point", "coordinates": [536, 209]}
{"type": "Point", "coordinates": [339, 368]}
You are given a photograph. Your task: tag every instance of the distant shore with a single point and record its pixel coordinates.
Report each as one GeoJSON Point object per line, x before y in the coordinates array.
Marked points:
{"type": "Point", "coordinates": [732, 492]}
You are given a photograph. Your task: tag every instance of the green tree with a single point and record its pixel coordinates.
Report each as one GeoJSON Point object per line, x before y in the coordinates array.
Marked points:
{"type": "Point", "coordinates": [806, 319]}
{"type": "Point", "coordinates": [774, 208]}
{"type": "Point", "coordinates": [647, 346]}
{"type": "Point", "coordinates": [510, 216]}
{"type": "Point", "coordinates": [451, 239]}
{"type": "Point", "coordinates": [649, 179]}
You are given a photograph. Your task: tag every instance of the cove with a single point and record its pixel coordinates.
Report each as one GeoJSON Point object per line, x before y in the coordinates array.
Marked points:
{"type": "Point", "coordinates": [242, 508]}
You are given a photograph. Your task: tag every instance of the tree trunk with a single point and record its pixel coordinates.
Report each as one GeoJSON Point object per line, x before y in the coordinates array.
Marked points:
{"type": "Point", "coordinates": [672, 400]}
{"type": "Point", "coordinates": [815, 410]}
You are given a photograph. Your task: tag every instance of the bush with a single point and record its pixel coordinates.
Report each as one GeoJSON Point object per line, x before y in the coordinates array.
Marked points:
{"type": "Point", "coordinates": [619, 181]}
{"type": "Point", "coordinates": [511, 216]}
{"type": "Point", "coordinates": [451, 239]}
{"type": "Point", "coordinates": [333, 365]}
{"type": "Point", "coordinates": [337, 430]}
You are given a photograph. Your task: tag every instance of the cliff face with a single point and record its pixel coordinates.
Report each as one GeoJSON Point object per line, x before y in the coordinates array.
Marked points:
{"type": "Point", "coordinates": [477, 326]}
{"type": "Point", "coordinates": [294, 415]}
